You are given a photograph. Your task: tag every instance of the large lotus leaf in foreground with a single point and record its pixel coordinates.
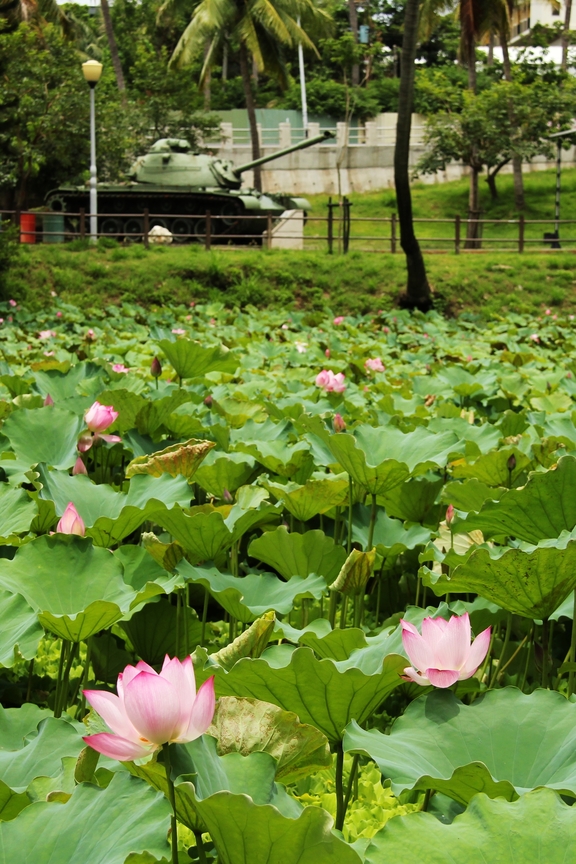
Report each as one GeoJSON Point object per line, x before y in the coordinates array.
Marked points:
{"type": "Point", "coordinates": [248, 597]}
{"type": "Point", "coordinates": [19, 629]}
{"type": "Point", "coordinates": [504, 744]}
{"type": "Point", "coordinates": [380, 458]}
{"type": "Point", "coordinates": [543, 508]}
{"type": "Point", "coordinates": [44, 435]}
{"type": "Point", "coordinates": [100, 826]}
{"type": "Point", "coordinates": [76, 588]}
{"type": "Point", "coordinates": [17, 510]}
{"type": "Point", "coordinates": [294, 554]}
{"type": "Point", "coordinates": [529, 583]}
{"type": "Point", "coordinates": [537, 829]}
{"type": "Point", "coordinates": [317, 691]}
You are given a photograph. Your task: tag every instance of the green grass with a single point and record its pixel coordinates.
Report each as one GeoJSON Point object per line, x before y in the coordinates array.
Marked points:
{"type": "Point", "coordinates": [492, 283]}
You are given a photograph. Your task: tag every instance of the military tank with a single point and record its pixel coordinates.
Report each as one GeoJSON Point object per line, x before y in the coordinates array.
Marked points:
{"type": "Point", "coordinates": [178, 188]}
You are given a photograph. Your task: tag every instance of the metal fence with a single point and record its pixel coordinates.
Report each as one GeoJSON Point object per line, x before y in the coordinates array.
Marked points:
{"type": "Point", "coordinates": [339, 231]}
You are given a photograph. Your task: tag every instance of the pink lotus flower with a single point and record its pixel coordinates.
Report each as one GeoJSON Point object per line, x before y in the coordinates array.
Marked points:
{"type": "Point", "coordinates": [339, 423]}
{"type": "Point", "coordinates": [178, 331]}
{"type": "Point", "coordinates": [327, 352]}
{"type": "Point", "coordinates": [90, 335]}
{"type": "Point", "coordinates": [12, 303]}
{"type": "Point", "coordinates": [151, 709]}
{"type": "Point", "coordinates": [71, 522]}
{"type": "Point", "coordinates": [443, 654]}
{"type": "Point", "coordinates": [79, 467]}
{"type": "Point", "coordinates": [46, 334]}
{"type": "Point", "coordinates": [339, 319]}
{"type": "Point", "coordinates": [119, 367]}
{"type": "Point", "coordinates": [58, 314]}
{"type": "Point", "coordinates": [48, 400]}
{"type": "Point", "coordinates": [100, 417]}
{"type": "Point", "coordinates": [330, 382]}
{"type": "Point", "coordinates": [375, 364]}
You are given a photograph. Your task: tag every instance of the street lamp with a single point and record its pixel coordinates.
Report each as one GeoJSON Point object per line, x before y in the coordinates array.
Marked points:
{"type": "Point", "coordinates": [92, 71]}
{"type": "Point", "coordinates": [558, 136]}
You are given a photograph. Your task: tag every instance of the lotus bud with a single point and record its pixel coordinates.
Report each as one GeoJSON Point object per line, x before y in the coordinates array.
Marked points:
{"type": "Point", "coordinates": [208, 401]}
{"type": "Point", "coordinates": [48, 400]}
{"type": "Point", "coordinates": [90, 335]}
{"type": "Point", "coordinates": [339, 423]}
{"type": "Point", "coordinates": [450, 514]}
{"type": "Point", "coordinates": [79, 467]}
{"type": "Point", "coordinates": [71, 522]}
{"type": "Point", "coordinates": [227, 497]}
{"type": "Point", "coordinates": [511, 463]}
{"type": "Point", "coordinates": [155, 368]}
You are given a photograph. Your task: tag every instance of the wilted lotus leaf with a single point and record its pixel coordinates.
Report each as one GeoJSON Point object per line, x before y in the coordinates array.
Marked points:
{"type": "Point", "coordinates": [248, 725]}
{"type": "Point", "coordinates": [355, 572]}
{"type": "Point", "coordinates": [315, 496]}
{"type": "Point", "coordinates": [181, 459]}
{"type": "Point", "coordinates": [250, 643]}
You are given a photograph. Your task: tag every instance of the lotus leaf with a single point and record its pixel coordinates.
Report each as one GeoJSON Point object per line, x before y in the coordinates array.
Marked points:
{"type": "Point", "coordinates": [299, 554]}
{"type": "Point", "coordinates": [20, 631]}
{"type": "Point", "coordinates": [191, 360]}
{"type": "Point", "coordinates": [176, 460]}
{"type": "Point", "coordinates": [220, 471]}
{"type": "Point", "coordinates": [314, 497]}
{"type": "Point", "coordinates": [26, 430]}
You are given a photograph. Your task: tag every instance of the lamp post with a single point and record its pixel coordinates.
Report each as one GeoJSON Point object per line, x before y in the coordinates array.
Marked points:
{"type": "Point", "coordinates": [92, 71]}
{"type": "Point", "coordinates": [303, 86]}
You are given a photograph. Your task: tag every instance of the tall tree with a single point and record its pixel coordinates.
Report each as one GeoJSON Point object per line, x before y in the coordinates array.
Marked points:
{"type": "Point", "coordinates": [502, 14]}
{"type": "Point", "coordinates": [566, 34]}
{"type": "Point", "coordinates": [418, 294]}
{"type": "Point", "coordinates": [113, 46]}
{"type": "Point", "coordinates": [260, 29]}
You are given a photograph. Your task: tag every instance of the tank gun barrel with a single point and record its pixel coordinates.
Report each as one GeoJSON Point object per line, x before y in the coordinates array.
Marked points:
{"type": "Point", "coordinates": [307, 142]}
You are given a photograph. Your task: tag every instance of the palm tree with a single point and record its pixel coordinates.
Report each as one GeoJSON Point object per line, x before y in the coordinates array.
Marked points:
{"type": "Point", "coordinates": [418, 294]}
{"type": "Point", "coordinates": [113, 47]}
{"type": "Point", "coordinates": [14, 12]}
{"type": "Point", "coordinates": [260, 29]}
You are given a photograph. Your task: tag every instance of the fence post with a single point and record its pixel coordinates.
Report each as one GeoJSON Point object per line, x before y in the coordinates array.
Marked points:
{"type": "Point", "coordinates": [269, 231]}
{"type": "Point", "coordinates": [457, 234]}
{"type": "Point", "coordinates": [330, 226]}
{"type": "Point", "coordinates": [521, 233]}
{"type": "Point", "coordinates": [393, 232]}
{"type": "Point", "coordinates": [146, 228]}
{"type": "Point", "coordinates": [345, 225]}
{"type": "Point", "coordinates": [208, 235]}
{"type": "Point", "coordinates": [82, 223]}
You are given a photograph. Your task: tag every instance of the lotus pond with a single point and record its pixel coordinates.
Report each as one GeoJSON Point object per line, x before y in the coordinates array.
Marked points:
{"type": "Point", "coordinates": [282, 589]}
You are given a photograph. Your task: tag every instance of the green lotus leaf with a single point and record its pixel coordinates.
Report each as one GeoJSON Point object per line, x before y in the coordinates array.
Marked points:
{"type": "Point", "coordinates": [391, 537]}
{"type": "Point", "coordinates": [314, 497]}
{"type": "Point", "coordinates": [155, 631]}
{"type": "Point", "coordinates": [247, 725]}
{"type": "Point", "coordinates": [79, 379]}
{"type": "Point", "coordinates": [20, 632]}
{"type": "Point", "coordinates": [492, 468]}
{"type": "Point", "coordinates": [155, 414]}
{"type": "Point", "coordinates": [337, 644]}
{"type": "Point", "coordinates": [17, 511]}
{"type": "Point", "coordinates": [504, 744]}
{"type": "Point", "coordinates": [470, 495]}
{"type": "Point", "coordinates": [247, 514]}
{"type": "Point", "coordinates": [76, 588]}
{"type": "Point", "coordinates": [538, 827]}
{"type": "Point", "coordinates": [532, 583]}
{"type": "Point", "coordinates": [248, 597]}
{"type": "Point", "coordinates": [39, 749]}
{"type": "Point", "coordinates": [176, 460]}
{"type": "Point", "coordinates": [278, 456]}
{"type": "Point", "coordinates": [299, 554]}
{"type": "Point", "coordinates": [102, 826]}
{"type": "Point", "coordinates": [220, 471]}
{"type": "Point", "coordinates": [198, 763]}
{"type": "Point", "coordinates": [543, 508]}
{"type": "Point", "coordinates": [380, 458]}
{"type": "Point", "coordinates": [27, 431]}
{"type": "Point", "coordinates": [204, 535]}
{"type": "Point", "coordinates": [355, 572]}
{"type": "Point", "coordinates": [414, 500]}
{"type": "Point", "coordinates": [144, 574]}
{"type": "Point", "coordinates": [126, 403]}
{"type": "Point", "coordinates": [168, 555]}
{"type": "Point", "coordinates": [316, 690]}
{"type": "Point", "coordinates": [191, 360]}
{"type": "Point", "coordinates": [237, 412]}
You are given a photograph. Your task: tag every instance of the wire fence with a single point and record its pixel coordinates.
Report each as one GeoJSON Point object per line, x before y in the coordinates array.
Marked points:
{"type": "Point", "coordinates": [337, 232]}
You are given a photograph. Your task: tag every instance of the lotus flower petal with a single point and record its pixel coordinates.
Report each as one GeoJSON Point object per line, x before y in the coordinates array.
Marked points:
{"type": "Point", "coordinates": [477, 653]}
{"type": "Point", "coordinates": [111, 708]}
{"type": "Point", "coordinates": [442, 677]}
{"type": "Point", "coordinates": [117, 748]}
{"type": "Point", "coordinates": [410, 674]}
{"type": "Point", "coordinates": [202, 710]}
{"type": "Point", "coordinates": [153, 706]}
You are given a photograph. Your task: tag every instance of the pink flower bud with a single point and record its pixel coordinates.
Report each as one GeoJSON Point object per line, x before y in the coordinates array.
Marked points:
{"type": "Point", "coordinates": [449, 514]}
{"type": "Point", "coordinates": [58, 314]}
{"type": "Point", "coordinates": [79, 467]}
{"type": "Point", "coordinates": [327, 352]}
{"type": "Point", "coordinates": [90, 336]}
{"type": "Point", "coordinates": [227, 497]}
{"type": "Point", "coordinates": [12, 303]}
{"type": "Point", "coordinates": [339, 319]}
{"type": "Point", "coordinates": [71, 523]}
{"type": "Point", "coordinates": [208, 401]}
{"type": "Point", "coordinates": [339, 423]}
{"type": "Point", "coordinates": [119, 367]}
{"type": "Point", "coordinates": [155, 368]}
{"type": "Point", "coordinates": [48, 400]}
{"type": "Point", "coordinates": [100, 417]}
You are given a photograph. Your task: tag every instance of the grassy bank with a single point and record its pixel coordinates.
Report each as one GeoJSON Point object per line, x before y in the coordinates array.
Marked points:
{"type": "Point", "coordinates": [358, 282]}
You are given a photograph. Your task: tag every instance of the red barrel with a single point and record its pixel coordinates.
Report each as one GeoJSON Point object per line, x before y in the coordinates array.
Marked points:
{"type": "Point", "coordinates": [27, 228]}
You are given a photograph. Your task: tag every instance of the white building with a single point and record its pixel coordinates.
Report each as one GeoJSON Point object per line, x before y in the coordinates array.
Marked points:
{"type": "Point", "coordinates": [545, 12]}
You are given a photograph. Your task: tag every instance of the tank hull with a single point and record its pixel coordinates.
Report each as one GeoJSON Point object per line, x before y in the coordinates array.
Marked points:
{"type": "Point", "coordinates": [236, 217]}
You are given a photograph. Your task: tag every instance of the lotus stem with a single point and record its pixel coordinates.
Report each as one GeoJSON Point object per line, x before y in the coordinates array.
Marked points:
{"type": "Point", "coordinates": [350, 494]}
{"type": "Point", "coordinates": [172, 799]}
{"type": "Point", "coordinates": [186, 628]}
{"type": "Point", "coordinates": [343, 610]}
{"type": "Point", "coordinates": [178, 616]}
{"type": "Point", "coordinates": [204, 616]}
{"type": "Point", "coordinates": [572, 656]}
{"type": "Point", "coordinates": [545, 649]}
{"type": "Point", "coordinates": [378, 595]}
{"type": "Point", "coordinates": [332, 609]}
{"type": "Point", "coordinates": [30, 674]}
{"type": "Point", "coordinates": [86, 673]}
{"type": "Point", "coordinates": [351, 781]}
{"type": "Point", "coordinates": [496, 671]}
{"type": "Point", "coordinates": [514, 655]}
{"type": "Point", "coordinates": [426, 801]}
{"type": "Point", "coordinates": [63, 650]}
{"type": "Point", "coordinates": [63, 701]}
{"type": "Point", "coordinates": [528, 655]}
{"type": "Point", "coordinates": [372, 523]}
{"type": "Point", "coordinates": [337, 525]}
{"type": "Point", "coordinates": [200, 846]}
{"type": "Point", "coordinates": [339, 778]}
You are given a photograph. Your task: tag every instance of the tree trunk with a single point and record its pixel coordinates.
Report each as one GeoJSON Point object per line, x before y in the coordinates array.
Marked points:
{"type": "Point", "coordinates": [473, 228]}
{"type": "Point", "coordinates": [418, 294]}
{"type": "Point", "coordinates": [491, 180]}
{"type": "Point", "coordinates": [516, 160]}
{"type": "Point", "coordinates": [565, 37]}
{"type": "Point", "coordinates": [112, 44]}
{"type": "Point", "coordinates": [490, 61]}
{"type": "Point", "coordinates": [353, 16]}
{"type": "Point", "coordinates": [251, 109]}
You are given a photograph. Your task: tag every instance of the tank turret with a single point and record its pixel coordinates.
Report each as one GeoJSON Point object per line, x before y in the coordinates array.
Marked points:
{"type": "Point", "coordinates": [178, 187]}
